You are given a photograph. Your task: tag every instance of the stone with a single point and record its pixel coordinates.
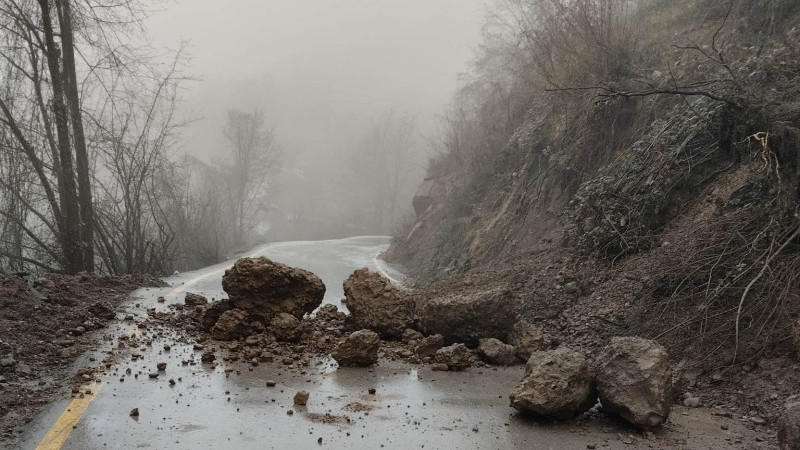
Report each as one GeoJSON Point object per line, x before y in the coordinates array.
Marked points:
{"type": "Point", "coordinates": [207, 315]}
{"type": "Point", "coordinates": [192, 300]}
{"type": "Point", "coordinates": [358, 349]}
{"type": "Point", "coordinates": [496, 352]}
{"type": "Point", "coordinates": [456, 357]}
{"type": "Point", "coordinates": [527, 338]}
{"type": "Point", "coordinates": [428, 345]}
{"type": "Point", "coordinates": [265, 288]}
{"type": "Point", "coordinates": [301, 398]}
{"type": "Point", "coordinates": [102, 310]}
{"type": "Point", "coordinates": [558, 384]}
{"type": "Point", "coordinates": [232, 324]}
{"type": "Point", "coordinates": [208, 357]}
{"type": "Point", "coordinates": [329, 312]}
{"type": "Point", "coordinates": [134, 412]}
{"type": "Point", "coordinates": [692, 402]}
{"type": "Point", "coordinates": [466, 318]}
{"type": "Point", "coordinates": [634, 381]}
{"type": "Point", "coordinates": [378, 305]}
{"type": "Point", "coordinates": [796, 337]}
{"type": "Point", "coordinates": [162, 366]}
{"type": "Point", "coordinates": [285, 327]}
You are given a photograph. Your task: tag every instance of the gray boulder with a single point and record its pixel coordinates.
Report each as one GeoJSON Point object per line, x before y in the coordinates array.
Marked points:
{"type": "Point", "coordinates": [789, 425]}
{"type": "Point", "coordinates": [634, 381]}
{"type": "Point", "coordinates": [558, 384]}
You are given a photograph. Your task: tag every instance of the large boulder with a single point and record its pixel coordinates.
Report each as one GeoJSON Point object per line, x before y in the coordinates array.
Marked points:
{"type": "Point", "coordinates": [789, 425]}
{"type": "Point", "coordinates": [455, 357]}
{"type": "Point", "coordinates": [358, 349]}
{"type": "Point", "coordinates": [558, 384]}
{"type": "Point", "coordinates": [527, 338]}
{"type": "Point", "coordinates": [494, 351]}
{"type": "Point", "coordinates": [232, 324]}
{"type": "Point", "coordinates": [376, 304]}
{"type": "Point", "coordinates": [634, 381]}
{"type": "Point", "coordinates": [469, 317]}
{"type": "Point", "coordinates": [192, 299]}
{"type": "Point", "coordinates": [265, 288]}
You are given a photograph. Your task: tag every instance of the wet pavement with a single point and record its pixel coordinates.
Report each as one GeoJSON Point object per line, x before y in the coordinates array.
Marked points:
{"type": "Point", "coordinates": [231, 406]}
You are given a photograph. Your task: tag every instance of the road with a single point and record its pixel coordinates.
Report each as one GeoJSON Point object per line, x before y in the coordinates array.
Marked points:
{"type": "Point", "coordinates": [413, 407]}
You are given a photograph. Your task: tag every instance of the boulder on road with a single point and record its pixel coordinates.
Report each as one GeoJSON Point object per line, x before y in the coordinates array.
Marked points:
{"type": "Point", "coordinates": [789, 425]}
{"type": "Point", "coordinates": [285, 327]}
{"type": "Point", "coordinates": [467, 318]}
{"type": "Point", "coordinates": [232, 324]}
{"type": "Point", "coordinates": [634, 381]}
{"type": "Point", "coordinates": [378, 305]}
{"type": "Point", "coordinates": [265, 288]}
{"type": "Point", "coordinates": [456, 357]}
{"type": "Point", "coordinates": [194, 299]}
{"type": "Point", "coordinates": [558, 384]}
{"type": "Point", "coordinates": [494, 351]}
{"type": "Point", "coordinates": [527, 338]}
{"type": "Point", "coordinates": [428, 345]}
{"type": "Point", "coordinates": [358, 349]}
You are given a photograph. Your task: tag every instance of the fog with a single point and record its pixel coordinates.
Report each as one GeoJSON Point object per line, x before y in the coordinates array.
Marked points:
{"type": "Point", "coordinates": [322, 72]}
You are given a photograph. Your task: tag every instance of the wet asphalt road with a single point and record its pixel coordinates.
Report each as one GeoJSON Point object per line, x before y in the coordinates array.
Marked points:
{"type": "Point", "coordinates": [413, 407]}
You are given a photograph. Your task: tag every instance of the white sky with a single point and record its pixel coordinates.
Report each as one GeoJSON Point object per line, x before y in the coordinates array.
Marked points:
{"type": "Point", "coordinates": [318, 68]}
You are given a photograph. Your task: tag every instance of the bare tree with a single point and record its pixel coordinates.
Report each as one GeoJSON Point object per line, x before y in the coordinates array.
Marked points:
{"type": "Point", "coordinates": [254, 158]}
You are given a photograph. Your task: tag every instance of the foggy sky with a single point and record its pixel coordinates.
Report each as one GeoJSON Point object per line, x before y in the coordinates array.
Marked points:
{"type": "Point", "coordinates": [320, 69]}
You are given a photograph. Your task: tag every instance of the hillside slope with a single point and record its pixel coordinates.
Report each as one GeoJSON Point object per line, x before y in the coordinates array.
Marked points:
{"type": "Point", "coordinates": [660, 199]}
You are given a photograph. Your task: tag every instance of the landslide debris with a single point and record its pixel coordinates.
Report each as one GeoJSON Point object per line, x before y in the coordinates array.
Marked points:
{"type": "Point", "coordinates": [558, 384]}
{"type": "Point", "coordinates": [264, 288]}
{"type": "Point", "coordinates": [378, 305]}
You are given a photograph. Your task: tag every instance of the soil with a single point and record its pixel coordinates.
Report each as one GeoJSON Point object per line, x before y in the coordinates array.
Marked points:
{"type": "Point", "coordinates": [45, 324]}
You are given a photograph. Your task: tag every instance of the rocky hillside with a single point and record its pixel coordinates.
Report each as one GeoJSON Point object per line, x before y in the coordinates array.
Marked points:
{"type": "Point", "coordinates": [644, 181]}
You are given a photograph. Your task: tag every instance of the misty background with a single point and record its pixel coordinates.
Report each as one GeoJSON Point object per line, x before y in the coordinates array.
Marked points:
{"type": "Point", "coordinates": [331, 79]}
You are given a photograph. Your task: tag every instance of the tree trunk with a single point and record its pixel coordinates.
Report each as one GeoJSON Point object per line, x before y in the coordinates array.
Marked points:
{"type": "Point", "coordinates": [81, 155]}
{"type": "Point", "coordinates": [73, 254]}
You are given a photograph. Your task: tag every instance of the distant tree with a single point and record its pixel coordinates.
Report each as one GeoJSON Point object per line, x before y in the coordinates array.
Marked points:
{"type": "Point", "coordinates": [384, 164]}
{"type": "Point", "coordinates": [255, 157]}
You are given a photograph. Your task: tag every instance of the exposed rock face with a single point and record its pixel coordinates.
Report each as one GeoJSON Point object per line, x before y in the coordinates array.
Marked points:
{"type": "Point", "coordinates": [456, 357]}
{"type": "Point", "coordinates": [358, 349]}
{"type": "Point", "coordinates": [428, 345]}
{"type": "Point", "coordinates": [789, 425]}
{"type": "Point", "coordinates": [194, 299]}
{"type": "Point", "coordinates": [496, 352]}
{"type": "Point", "coordinates": [558, 384]}
{"type": "Point", "coordinates": [527, 338]}
{"type": "Point", "coordinates": [634, 381]}
{"type": "Point", "coordinates": [285, 327]}
{"type": "Point", "coordinates": [232, 324]}
{"type": "Point", "coordinates": [377, 305]}
{"type": "Point", "coordinates": [468, 318]}
{"type": "Point", "coordinates": [265, 288]}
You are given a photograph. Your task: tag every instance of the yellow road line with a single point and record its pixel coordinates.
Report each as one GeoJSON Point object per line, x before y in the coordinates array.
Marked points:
{"type": "Point", "coordinates": [61, 429]}
{"type": "Point", "coordinates": [59, 432]}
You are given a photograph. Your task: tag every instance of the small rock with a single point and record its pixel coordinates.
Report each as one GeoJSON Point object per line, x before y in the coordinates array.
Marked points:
{"type": "Point", "coordinates": [271, 383]}
{"type": "Point", "coordinates": [134, 412]}
{"type": "Point", "coordinates": [301, 398]}
{"type": "Point", "coordinates": [162, 366]}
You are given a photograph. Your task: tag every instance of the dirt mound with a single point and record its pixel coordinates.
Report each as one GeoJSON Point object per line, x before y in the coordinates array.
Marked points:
{"type": "Point", "coordinates": [45, 323]}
